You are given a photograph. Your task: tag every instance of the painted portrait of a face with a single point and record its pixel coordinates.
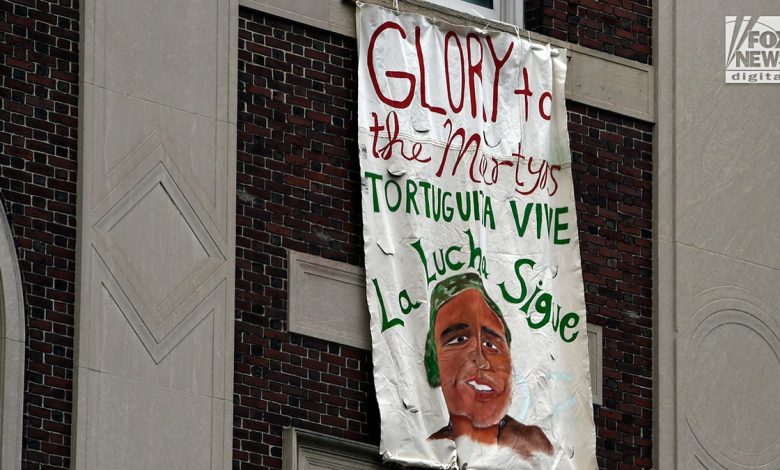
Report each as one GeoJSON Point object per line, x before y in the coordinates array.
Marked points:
{"type": "Point", "coordinates": [467, 353]}
{"type": "Point", "coordinates": [475, 364]}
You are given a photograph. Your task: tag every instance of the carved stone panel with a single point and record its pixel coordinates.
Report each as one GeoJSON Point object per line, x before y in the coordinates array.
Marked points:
{"type": "Point", "coordinates": [157, 234]}
{"type": "Point", "coordinates": [728, 363]}
{"type": "Point", "coordinates": [328, 300]}
{"type": "Point", "coordinates": [732, 380]}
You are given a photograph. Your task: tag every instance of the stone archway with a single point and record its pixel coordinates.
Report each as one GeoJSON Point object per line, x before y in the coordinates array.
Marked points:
{"type": "Point", "coordinates": [11, 350]}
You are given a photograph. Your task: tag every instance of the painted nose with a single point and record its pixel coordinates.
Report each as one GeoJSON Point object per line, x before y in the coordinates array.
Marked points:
{"type": "Point", "coordinates": [479, 358]}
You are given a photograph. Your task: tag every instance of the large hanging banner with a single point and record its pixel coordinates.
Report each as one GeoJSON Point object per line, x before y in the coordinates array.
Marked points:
{"type": "Point", "coordinates": [472, 256]}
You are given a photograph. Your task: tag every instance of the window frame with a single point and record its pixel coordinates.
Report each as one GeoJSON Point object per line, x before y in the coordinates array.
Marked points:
{"type": "Point", "coordinates": [303, 449]}
{"type": "Point", "coordinates": [506, 11]}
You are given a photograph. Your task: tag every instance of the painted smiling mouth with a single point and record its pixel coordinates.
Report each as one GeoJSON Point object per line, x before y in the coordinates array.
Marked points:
{"type": "Point", "coordinates": [478, 386]}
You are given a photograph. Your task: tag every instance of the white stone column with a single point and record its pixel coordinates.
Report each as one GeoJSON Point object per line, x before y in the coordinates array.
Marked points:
{"type": "Point", "coordinates": [717, 248]}
{"type": "Point", "coordinates": [12, 340]}
{"type": "Point", "coordinates": [156, 259]}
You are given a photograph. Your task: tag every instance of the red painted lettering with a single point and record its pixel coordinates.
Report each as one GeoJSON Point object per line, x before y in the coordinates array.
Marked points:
{"type": "Point", "coordinates": [403, 103]}
{"type": "Point", "coordinates": [475, 70]}
{"type": "Point", "coordinates": [545, 96]}
{"type": "Point", "coordinates": [498, 63]}
{"type": "Point", "coordinates": [451, 35]}
{"type": "Point", "coordinates": [526, 173]}
{"type": "Point", "coordinates": [525, 91]}
{"type": "Point", "coordinates": [465, 146]}
{"type": "Point", "coordinates": [421, 62]}
{"type": "Point", "coordinates": [392, 130]}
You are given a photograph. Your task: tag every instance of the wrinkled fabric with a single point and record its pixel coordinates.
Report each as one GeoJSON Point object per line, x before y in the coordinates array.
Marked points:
{"type": "Point", "coordinates": [466, 168]}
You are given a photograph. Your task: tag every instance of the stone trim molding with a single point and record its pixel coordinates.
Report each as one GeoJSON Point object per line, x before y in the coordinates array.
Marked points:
{"type": "Point", "coordinates": [11, 350]}
{"type": "Point", "coordinates": [327, 300]}
{"type": "Point", "coordinates": [594, 78]}
{"type": "Point", "coordinates": [156, 250]}
{"type": "Point", "coordinates": [306, 449]}
{"type": "Point", "coordinates": [596, 360]}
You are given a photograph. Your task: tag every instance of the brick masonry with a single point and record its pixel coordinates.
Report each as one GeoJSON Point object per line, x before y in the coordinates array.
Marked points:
{"type": "Point", "coordinates": [620, 27]}
{"type": "Point", "coordinates": [298, 188]}
{"type": "Point", "coordinates": [612, 169]}
{"type": "Point", "coordinates": [38, 134]}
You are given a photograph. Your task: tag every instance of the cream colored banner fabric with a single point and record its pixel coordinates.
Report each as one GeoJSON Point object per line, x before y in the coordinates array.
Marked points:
{"type": "Point", "coordinates": [472, 255]}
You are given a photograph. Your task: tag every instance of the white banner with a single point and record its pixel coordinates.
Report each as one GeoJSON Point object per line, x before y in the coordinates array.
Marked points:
{"type": "Point", "coordinates": [472, 255]}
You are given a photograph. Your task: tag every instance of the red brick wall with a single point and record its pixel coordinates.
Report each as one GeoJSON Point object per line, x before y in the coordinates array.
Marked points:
{"type": "Point", "coordinates": [38, 115]}
{"type": "Point", "coordinates": [612, 168]}
{"type": "Point", "coordinates": [620, 27]}
{"type": "Point", "coordinates": [298, 188]}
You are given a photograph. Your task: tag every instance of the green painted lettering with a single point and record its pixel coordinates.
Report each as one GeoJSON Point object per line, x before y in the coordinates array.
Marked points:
{"type": "Point", "coordinates": [560, 226]}
{"type": "Point", "coordinates": [411, 191]}
{"type": "Point", "coordinates": [386, 324]}
{"type": "Point", "coordinates": [488, 220]}
{"type": "Point", "coordinates": [393, 206]}
{"type": "Point", "coordinates": [405, 302]}
{"type": "Point", "coordinates": [417, 245]}
{"type": "Point", "coordinates": [374, 177]}
{"type": "Point", "coordinates": [520, 227]}
{"type": "Point", "coordinates": [570, 320]}
{"type": "Point", "coordinates": [523, 288]}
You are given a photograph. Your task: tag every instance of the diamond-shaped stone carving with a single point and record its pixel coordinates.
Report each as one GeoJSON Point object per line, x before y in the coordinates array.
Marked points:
{"type": "Point", "coordinates": [158, 251]}
{"type": "Point", "coordinates": [158, 244]}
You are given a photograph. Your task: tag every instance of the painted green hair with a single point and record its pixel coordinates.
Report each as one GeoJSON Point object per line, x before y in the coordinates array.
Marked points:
{"type": "Point", "coordinates": [441, 294]}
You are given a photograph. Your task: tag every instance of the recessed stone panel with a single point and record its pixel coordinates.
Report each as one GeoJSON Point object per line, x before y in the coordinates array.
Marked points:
{"type": "Point", "coordinates": [736, 354]}
{"type": "Point", "coordinates": [155, 244]}
{"type": "Point", "coordinates": [328, 300]}
{"type": "Point", "coordinates": [728, 345]}
{"type": "Point", "coordinates": [164, 257]}
{"type": "Point", "coordinates": [126, 356]}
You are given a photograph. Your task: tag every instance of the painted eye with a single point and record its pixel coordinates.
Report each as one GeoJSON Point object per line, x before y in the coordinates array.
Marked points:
{"type": "Point", "coordinates": [457, 340]}
{"type": "Point", "coordinates": [491, 346]}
